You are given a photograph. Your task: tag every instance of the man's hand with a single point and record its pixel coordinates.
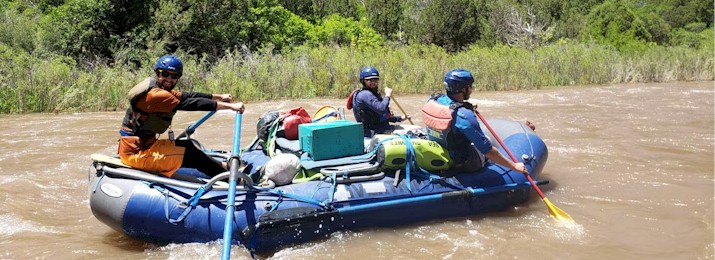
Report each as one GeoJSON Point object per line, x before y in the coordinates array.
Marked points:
{"type": "Point", "coordinates": [403, 118]}
{"type": "Point", "coordinates": [519, 167]}
{"type": "Point", "coordinates": [223, 97]}
{"type": "Point", "coordinates": [237, 107]}
{"type": "Point", "coordinates": [388, 92]}
{"type": "Point", "coordinates": [473, 102]}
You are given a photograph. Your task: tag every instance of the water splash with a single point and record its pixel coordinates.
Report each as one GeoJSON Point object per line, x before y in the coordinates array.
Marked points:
{"type": "Point", "coordinates": [11, 225]}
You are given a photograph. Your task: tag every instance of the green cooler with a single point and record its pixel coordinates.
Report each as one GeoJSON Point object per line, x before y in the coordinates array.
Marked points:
{"type": "Point", "coordinates": [331, 140]}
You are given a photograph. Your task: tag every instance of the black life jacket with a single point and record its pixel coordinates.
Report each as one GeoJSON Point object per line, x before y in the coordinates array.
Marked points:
{"type": "Point", "coordinates": [144, 122]}
{"type": "Point", "coordinates": [370, 118]}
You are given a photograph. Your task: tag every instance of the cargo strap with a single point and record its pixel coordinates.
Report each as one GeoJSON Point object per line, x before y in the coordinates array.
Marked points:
{"type": "Point", "coordinates": [190, 203]}
{"type": "Point", "coordinates": [281, 194]}
{"type": "Point", "coordinates": [271, 140]}
{"type": "Point", "coordinates": [410, 159]}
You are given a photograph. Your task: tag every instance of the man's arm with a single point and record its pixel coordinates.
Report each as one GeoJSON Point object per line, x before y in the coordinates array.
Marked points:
{"type": "Point", "coordinates": [373, 103]}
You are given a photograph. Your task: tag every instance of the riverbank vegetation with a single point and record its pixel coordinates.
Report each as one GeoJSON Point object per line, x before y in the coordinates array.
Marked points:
{"type": "Point", "coordinates": [84, 55]}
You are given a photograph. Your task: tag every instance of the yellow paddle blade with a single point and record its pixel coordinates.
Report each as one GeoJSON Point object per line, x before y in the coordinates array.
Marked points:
{"type": "Point", "coordinates": [557, 212]}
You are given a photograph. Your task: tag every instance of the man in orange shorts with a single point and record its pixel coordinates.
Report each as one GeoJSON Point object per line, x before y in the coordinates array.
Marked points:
{"type": "Point", "coordinates": [153, 105]}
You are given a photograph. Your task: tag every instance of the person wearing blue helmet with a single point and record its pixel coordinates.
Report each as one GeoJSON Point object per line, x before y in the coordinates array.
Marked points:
{"type": "Point", "coordinates": [452, 123]}
{"type": "Point", "coordinates": [369, 107]}
{"type": "Point", "coordinates": [153, 104]}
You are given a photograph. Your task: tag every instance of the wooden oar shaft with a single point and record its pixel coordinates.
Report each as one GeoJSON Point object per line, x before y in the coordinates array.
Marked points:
{"type": "Point", "coordinates": [402, 110]}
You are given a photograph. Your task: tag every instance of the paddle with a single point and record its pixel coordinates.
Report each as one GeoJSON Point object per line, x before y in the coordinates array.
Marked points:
{"type": "Point", "coordinates": [230, 203]}
{"type": "Point", "coordinates": [553, 210]}
{"type": "Point", "coordinates": [402, 110]}
{"type": "Point", "coordinates": [190, 130]}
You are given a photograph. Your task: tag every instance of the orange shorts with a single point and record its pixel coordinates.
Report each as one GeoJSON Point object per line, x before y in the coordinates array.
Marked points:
{"type": "Point", "coordinates": [163, 156]}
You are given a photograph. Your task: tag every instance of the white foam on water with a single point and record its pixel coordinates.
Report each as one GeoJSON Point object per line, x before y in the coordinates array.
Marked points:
{"type": "Point", "coordinates": [491, 103]}
{"type": "Point", "coordinates": [11, 224]}
{"type": "Point", "coordinates": [211, 250]}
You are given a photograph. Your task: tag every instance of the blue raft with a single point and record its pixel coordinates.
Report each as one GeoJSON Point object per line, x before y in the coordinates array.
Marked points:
{"type": "Point", "coordinates": [161, 210]}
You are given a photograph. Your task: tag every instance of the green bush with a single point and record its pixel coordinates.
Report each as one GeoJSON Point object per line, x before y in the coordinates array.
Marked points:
{"type": "Point", "coordinates": [338, 30]}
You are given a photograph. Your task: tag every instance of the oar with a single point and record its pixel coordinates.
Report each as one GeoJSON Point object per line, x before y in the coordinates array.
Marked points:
{"type": "Point", "coordinates": [190, 130]}
{"type": "Point", "coordinates": [402, 110]}
{"type": "Point", "coordinates": [230, 203]}
{"type": "Point", "coordinates": [553, 210]}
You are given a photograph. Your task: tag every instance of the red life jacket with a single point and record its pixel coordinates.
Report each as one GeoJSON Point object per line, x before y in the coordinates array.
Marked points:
{"type": "Point", "coordinates": [436, 115]}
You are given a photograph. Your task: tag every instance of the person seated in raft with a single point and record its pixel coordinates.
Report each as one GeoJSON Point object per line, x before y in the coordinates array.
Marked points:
{"type": "Point", "coordinates": [153, 104]}
{"type": "Point", "coordinates": [461, 128]}
{"type": "Point", "coordinates": [371, 109]}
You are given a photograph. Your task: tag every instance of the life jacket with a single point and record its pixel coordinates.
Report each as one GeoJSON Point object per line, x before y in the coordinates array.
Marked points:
{"type": "Point", "coordinates": [144, 122]}
{"type": "Point", "coordinates": [439, 119]}
{"type": "Point", "coordinates": [370, 119]}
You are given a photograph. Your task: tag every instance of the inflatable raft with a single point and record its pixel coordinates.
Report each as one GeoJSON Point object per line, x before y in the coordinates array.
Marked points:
{"type": "Point", "coordinates": [162, 210]}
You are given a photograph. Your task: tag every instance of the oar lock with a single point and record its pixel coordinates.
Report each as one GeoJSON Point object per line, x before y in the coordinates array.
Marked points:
{"type": "Point", "coordinates": [526, 157]}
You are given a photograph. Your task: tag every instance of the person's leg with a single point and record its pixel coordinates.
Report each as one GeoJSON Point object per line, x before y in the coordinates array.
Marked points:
{"type": "Point", "coordinates": [195, 158]}
{"type": "Point", "coordinates": [162, 157]}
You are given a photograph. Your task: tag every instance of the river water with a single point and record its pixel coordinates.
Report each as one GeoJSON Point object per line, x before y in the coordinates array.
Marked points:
{"type": "Point", "coordinates": [632, 164]}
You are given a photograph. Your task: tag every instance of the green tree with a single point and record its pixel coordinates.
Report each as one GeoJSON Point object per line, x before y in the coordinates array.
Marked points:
{"type": "Point", "coordinates": [566, 16]}
{"type": "Point", "coordinates": [338, 30]}
{"type": "Point", "coordinates": [451, 24]}
{"type": "Point", "coordinates": [385, 16]}
{"type": "Point", "coordinates": [315, 10]}
{"type": "Point", "coordinates": [214, 26]}
{"type": "Point", "coordinates": [79, 28]}
{"type": "Point", "coordinates": [18, 25]}
{"type": "Point", "coordinates": [88, 30]}
{"type": "Point", "coordinates": [616, 23]}
{"type": "Point", "coordinates": [679, 13]}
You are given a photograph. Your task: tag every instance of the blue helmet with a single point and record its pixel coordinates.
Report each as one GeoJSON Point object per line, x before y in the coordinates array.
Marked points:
{"type": "Point", "coordinates": [369, 73]}
{"type": "Point", "coordinates": [169, 62]}
{"type": "Point", "coordinates": [457, 80]}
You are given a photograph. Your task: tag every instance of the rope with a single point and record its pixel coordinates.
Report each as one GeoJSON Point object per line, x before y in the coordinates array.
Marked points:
{"type": "Point", "coordinates": [289, 195]}
{"type": "Point", "coordinates": [96, 185]}
{"type": "Point", "coordinates": [191, 203]}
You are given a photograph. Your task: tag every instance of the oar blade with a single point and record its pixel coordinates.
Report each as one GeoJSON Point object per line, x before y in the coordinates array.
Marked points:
{"type": "Point", "coordinates": [557, 212]}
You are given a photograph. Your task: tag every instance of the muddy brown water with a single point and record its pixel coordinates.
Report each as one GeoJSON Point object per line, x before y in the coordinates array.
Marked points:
{"type": "Point", "coordinates": [632, 164]}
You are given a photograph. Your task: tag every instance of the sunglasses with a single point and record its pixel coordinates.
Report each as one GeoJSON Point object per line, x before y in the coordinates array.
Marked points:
{"type": "Point", "coordinates": [166, 73]}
